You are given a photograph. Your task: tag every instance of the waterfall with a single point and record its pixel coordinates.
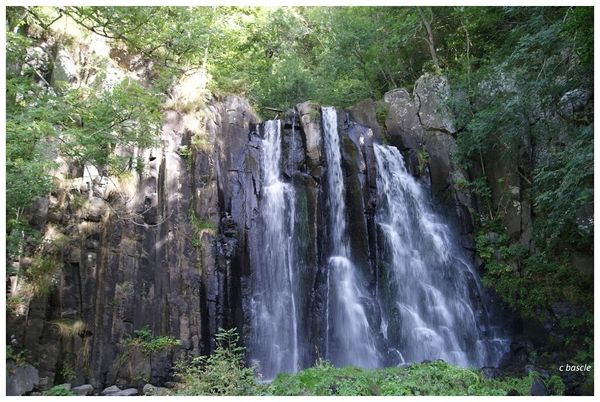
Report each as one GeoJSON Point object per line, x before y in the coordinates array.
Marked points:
{"type": "Point", "coordinates": [419, 299]}
{"type": "Point", "coordinates": [274, 340]}
{"type": "Point", "coordinates": [349, 338]}
{"type": "Point", "coordinates": [433, 296]}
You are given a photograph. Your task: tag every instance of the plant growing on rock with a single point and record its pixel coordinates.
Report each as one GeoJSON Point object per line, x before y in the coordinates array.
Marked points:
{"type": "Point", "coordinates": [19, 357]}
{"type": "Point", "coordinates": [69, 328]}
{"type": "Point", "coordinates": [145, 340]}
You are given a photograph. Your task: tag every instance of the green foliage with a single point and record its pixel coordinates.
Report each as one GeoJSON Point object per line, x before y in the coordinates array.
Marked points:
{"type": "Point", "coordinates": [525, 280]}
{"type": "Point", "coordinates": [381, 113]}
{"type": "Point", "coordinates": [67, 372]}
{"type": "Point", "coordinates": [435, 378]}
{"type": "Point", "coordinates": [21, 357]}
{"type": "Point", "coordinates": [58, 390]}
{"type": "Point", "coordinates": [144, 339]}
{"type": "Point", "coordinates": [186, 154]}
{"type": "Point", "coordinates": [221, 373]}
{"type": "Point", "coordinates": [82, 123]}
{"type": "Point", "coordinates": [200, 226]}
{"type": "Point", "coordinates": [422, 160]}
{"type": "Point", "coordinates": [211, 376]}
{"type": "Point", "coordinates": [555, 385]}
{"type": "Point", "coordinates": [275, 56]}
{"type": "Point", "coordinates": [564, 201]}
{"type": "Point", "coordinates": [41, 273]}
{"type": "Point", "coordinates": [511, 108]}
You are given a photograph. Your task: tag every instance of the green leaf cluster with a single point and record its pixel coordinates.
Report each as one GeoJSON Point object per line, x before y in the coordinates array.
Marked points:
{"type": "Point", "coordinates": [144, 339]}
{"type": "Point", "coordinates": [221, 373]}
{"type": "Point", "coordinates": [58, 390]}
{"type": "Point", "coordinates": [514, 107]}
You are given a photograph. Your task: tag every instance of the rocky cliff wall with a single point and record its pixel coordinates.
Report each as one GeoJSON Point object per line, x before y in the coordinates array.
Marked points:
{"type": "Point", "coordinates": [154, 248]}
{"type": "Point", "coordinates": [170, 245]}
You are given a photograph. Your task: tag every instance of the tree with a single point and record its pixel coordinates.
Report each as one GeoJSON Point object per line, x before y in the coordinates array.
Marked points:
{"type": "Point", "coordinates": [426, 21]}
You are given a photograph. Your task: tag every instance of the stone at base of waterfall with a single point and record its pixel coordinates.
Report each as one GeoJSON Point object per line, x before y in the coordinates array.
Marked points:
{"type": "Point", "coordinates": [151, 390]}
{"type": "Point", "coordinates": [126, 392]}
{"type": "Point", "coordinates": [20, 379]}
{"type": "Point", "coordinates": [113, 389]}
{"type": "Point", "coordinates": [83, 390]}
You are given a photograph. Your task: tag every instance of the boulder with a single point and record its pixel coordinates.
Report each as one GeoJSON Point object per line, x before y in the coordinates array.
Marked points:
{"type": "Point", "coordinates": [402, 118]}
{"type": "Point", "coordinates": [422, 124]}
{"type": "Point", "coordinates": [432, 93]}
{"type": "Point", "coordinates": [151, 390]}
{"type": "Point", "coordinates": [573, 101]}
{"type": "Point", "coordinates": [83, 390]}
{"type": "Point", "coordinates": [65, 69]}
{"type": "Point", "coordinates": [36, 58]}
{"type": "Point", "coordinates": [365, 113]}
{"type": "Point", "coordinates": [126, 392]}
{"type": "Point", "coordinates": [20, 379]}
{"type": "Point", "coordinates": [113, 389]}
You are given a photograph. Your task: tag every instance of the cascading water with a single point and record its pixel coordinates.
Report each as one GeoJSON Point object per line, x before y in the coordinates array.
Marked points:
{"type": "Point", "coordinates": [349, 337]}
{"type": "Point", "coordinates": [274, 342]}
{"type": "Point", "coordinates": [432, 295]}
{"type": "Point", "coordinates": [425, 301]}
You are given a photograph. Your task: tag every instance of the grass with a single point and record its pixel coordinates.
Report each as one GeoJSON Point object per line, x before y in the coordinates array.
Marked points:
{"type": "Point", "coordinates": [200, 226]}
{"type": "Point", "coordinates": [68, 328]}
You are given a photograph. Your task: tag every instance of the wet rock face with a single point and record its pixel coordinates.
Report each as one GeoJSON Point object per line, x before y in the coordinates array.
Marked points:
{"type": "Point", "coordinates": [422, 127]}
{"type": "Point", "coordinates": [310, 117]}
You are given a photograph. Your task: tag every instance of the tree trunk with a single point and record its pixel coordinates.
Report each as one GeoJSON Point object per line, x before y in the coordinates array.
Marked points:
{"type": "Point", "coordinates": [429, 38]}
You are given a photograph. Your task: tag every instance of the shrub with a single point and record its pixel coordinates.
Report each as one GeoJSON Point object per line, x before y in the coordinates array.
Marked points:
{"type": "Point", "coordinates": [222, 373]}
{"type": "Point", "coordinates": [21, 357]}
{"type": "Point", "coordinates": [144, 339]}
